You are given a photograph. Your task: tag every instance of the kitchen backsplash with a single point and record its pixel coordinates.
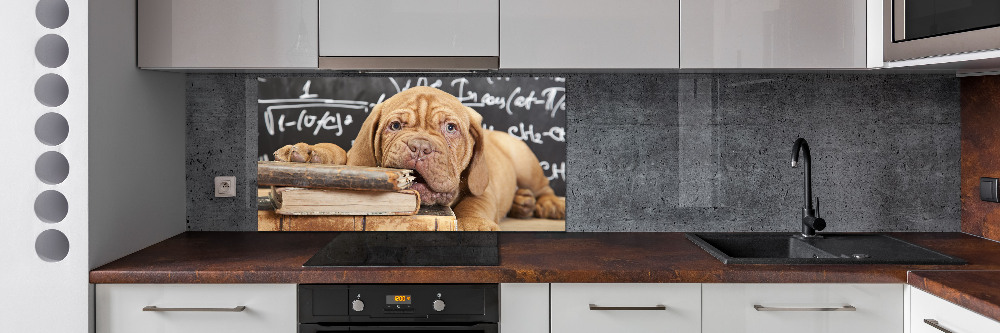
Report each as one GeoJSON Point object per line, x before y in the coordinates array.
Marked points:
{"type": "Point", "coordinates": [682, 152]}
{"type": "Point", "coordinates": [980, 153]}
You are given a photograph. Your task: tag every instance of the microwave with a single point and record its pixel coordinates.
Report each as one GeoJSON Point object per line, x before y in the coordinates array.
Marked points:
{"type": "Point", "coordinates": [915, 29]}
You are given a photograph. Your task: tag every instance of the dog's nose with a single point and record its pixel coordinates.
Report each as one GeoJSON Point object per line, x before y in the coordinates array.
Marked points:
{"type": "Point", "coordinates": [420, 147]}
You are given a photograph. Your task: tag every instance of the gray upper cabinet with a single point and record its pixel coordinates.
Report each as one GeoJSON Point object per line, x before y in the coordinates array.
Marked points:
{"type": "Point", "coordinates": [508, 34]}
{"type": "Point", "coordinates": [409, 28]}
{"type": "Point", "coordinates": [779, 34]}
{"type": "Point", "coordinates": [409, 34]}
{"type": "Point", "coordinates": [589, 34]}
{"type": "Point", "coordinates": [221, 34]}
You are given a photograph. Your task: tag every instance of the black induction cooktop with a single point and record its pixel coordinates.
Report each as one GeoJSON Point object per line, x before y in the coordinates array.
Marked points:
{"type": "Point", "coordinates": [409, 248]}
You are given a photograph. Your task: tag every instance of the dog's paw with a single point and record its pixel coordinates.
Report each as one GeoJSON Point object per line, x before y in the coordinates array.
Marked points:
{"type": "Point", "coordinates": [299, 152]}
{"type": "Point", "coordinates": [323, 153]}
{"type": "Point", "coordinates": [524, 204]}
{"type": "Point", "coordinates": [477, 224]}
{"type": "Point", "coordinates": [550, 207]}
{"type": "Point", "coordinates": [328, 153]}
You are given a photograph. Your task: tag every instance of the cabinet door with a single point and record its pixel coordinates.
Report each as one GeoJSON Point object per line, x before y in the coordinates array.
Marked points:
{"type": "Point", "coordinates": [268, 308]}
{"type": "Point", "coordinates": [409, 28]}
{"type": "Point", "coordinates": [524, 308]}
{"type": "Point", "coordinates": [802, 308]}
{"type": "Point", "coordinates": [773, 34]}
{"type": "Point", "coordinates": [227, 34]}
{"type": "Point", "coordinates": [947, 315]}
{"type": "Point", "coordinates": [589, 34]}
{"type": "Point", "coordinates": [626, 307]}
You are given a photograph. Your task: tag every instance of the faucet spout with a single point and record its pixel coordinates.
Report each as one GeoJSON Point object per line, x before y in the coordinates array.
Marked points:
{"type": "Point", "coordinates": [803, 146]}
{"type": "Point", "coordinates": [810, 222]}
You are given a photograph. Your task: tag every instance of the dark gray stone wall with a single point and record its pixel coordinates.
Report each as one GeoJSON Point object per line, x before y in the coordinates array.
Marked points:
{"type": "Point", "coordinates": [221, 141]}
{"type": "Point", "coordinates": [684, 152]}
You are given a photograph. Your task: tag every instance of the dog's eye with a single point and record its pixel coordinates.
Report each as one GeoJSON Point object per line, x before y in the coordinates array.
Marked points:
{"type": "Point", "coordinates": [395, 126]}
{"type": "Point", "coordinates": [451, 128]}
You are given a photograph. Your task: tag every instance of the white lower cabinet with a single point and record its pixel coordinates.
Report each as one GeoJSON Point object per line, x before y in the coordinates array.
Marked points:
{"type": "Point", "coordinates": [195, 308]}
{"type": "Point", "coordinates": [930, 314]}
{"type": "Point", "coordinates": [570, 308]}
{"type": "Point", "coordinates": [524, 308]}
{"type": "Point", "coordinates": [625, 307]}
{"type": "Point", "coordinates": [802, 308]}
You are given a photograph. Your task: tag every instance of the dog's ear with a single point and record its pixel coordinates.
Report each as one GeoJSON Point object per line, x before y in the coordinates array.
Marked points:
{"type": "Point", "coordinates": [478, 172]}
{"type": "Point", "coordinates": [365, 151]}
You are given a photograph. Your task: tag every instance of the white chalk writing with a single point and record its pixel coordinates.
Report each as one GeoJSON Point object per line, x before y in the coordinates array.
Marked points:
{"type": "Point", "coordinates": [304, 121]}
{"type": "Point", "coordinates": [556, 133]}
{"type": "Point", "coordinates": [556, 170]}
{"type": "Point", "coordinates": [423, 81]}
{"type": "Point", "coordinates": [552, 99]}
{"type": "Point", "coordinates": [305, 91]}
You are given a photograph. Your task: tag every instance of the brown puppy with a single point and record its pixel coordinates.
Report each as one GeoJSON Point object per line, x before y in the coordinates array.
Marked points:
{"type": "Point", "coordinates": [480, 173]}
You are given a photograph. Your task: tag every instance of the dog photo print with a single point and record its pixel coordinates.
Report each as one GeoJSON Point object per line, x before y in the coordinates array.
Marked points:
{"type": "Point", "coordinates": [411, 154]}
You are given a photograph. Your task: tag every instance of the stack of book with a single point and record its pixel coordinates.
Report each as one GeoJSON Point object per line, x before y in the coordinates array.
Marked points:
{"type": "Point", "coordinates": [324, 197]}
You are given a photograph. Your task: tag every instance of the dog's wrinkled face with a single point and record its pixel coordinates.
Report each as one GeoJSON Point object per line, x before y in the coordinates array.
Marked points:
{"type": "Point", "coordinates": [431, 132]}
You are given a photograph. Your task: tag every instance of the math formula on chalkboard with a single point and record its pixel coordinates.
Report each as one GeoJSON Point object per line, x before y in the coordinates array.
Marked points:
{"type": "Point", "coordinates": [332, 109]}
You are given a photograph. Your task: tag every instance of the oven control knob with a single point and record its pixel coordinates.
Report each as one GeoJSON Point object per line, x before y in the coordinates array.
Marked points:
{"type": "Point", "coordinates": [438, 305]}
{"type": "Point", "coordinates": [358, 305]}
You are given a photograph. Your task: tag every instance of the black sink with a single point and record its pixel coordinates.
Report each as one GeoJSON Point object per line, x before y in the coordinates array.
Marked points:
{"type": "Point", "coordinates": [787, 248]}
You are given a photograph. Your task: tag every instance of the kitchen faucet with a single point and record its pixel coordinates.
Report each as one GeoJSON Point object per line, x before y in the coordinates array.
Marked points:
{"type": "Point", "coordinates": [810, 222]}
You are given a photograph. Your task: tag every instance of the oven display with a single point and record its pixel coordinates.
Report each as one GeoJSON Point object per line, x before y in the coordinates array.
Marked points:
{"type": "Point", "coordinates": [397, 299]}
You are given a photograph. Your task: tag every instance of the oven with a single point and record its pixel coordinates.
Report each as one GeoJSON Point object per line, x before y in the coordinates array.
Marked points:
{"type": "Point", "coordinates": [927, 28]}
{"type": "Point", "coordinates": [389, 308]}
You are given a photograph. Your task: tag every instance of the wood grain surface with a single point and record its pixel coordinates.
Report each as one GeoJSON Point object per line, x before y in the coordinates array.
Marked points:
{"type": "Point", "coordinates": [277, 257]}
{"type": "Point", "coordinates": [307, 201]}
{"type": "Point", "coordinates": [980, 153]}
{"type": "Point", "coordinates": [531, 224]}
{"type": "Point", "coordinates": [429, 218]}
{"type": "Point", "coordinates": [978, 291]}
{"type": "Point", "coordinates": [328, 176]}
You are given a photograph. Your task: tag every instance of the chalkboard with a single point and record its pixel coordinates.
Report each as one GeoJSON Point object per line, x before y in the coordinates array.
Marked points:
{"type": "Point", "coordinates": [332, 109]}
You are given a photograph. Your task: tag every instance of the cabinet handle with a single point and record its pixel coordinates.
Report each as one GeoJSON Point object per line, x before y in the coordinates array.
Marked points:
{"type": "Point", "coordinates": [615, 308]}
{"type": "Point", "coordinates": [935, 324]}
{"type": "Point", "coordinates": [759, 307]}
{"type": "Point", "coordinates": [233, 309]}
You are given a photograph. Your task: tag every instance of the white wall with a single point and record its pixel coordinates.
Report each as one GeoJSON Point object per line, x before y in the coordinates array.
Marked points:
{"type": "Point", "coordinates": [137, 184]}
{"type": "Point", "coordinates": [125, 149]}
{"type": "Point", "coordinates": [37, 295]}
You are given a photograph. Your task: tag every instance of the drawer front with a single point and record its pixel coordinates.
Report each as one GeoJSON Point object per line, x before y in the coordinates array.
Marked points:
{"type": "Point", "coordinates": [571, 310]}
{"type": "Point", "coordinates": [409, 28]}
{"type": "Point", "coordinates": [269, 308]}
{"type": "Point", "coordinates": [949, 316]}
{"type": "Point", "coordinates": [729, 308]}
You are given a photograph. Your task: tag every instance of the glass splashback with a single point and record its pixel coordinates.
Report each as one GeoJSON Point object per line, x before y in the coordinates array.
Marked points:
{"type": "Point", "coordinates": [411, 153]}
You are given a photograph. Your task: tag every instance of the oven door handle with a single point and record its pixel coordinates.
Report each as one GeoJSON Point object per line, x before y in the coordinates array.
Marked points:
{"type": "Point", "coordinates": [435, 327]}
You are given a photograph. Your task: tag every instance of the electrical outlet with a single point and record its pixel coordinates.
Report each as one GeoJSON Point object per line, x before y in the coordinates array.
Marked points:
{"type": "Point", "coordinates": [225, 186]}
{"type": "Point", "coordinates": [988, 189]}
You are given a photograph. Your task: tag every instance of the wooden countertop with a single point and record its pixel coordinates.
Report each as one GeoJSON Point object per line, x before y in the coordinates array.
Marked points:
{"type": "Point", "coordinates": [978, 291]}
{"type": "Point", "coordinates": [277, 257]}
